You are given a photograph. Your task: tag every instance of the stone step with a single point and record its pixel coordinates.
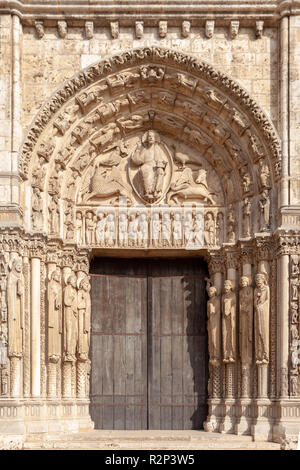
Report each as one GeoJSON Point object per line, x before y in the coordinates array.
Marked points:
{"type": "Point", "coordinates": [145, 440]}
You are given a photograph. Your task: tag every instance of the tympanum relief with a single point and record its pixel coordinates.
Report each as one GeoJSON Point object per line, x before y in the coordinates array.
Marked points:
{"type": "Point", "coordinates": [151, 134]}
{"type": "Point", "coordinates": [147, 191]}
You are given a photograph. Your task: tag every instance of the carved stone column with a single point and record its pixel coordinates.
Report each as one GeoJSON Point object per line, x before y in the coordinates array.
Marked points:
{"type": "Point", "coordinates": [245, 322]}
{"type": "Point", "coordinates": [84, 322]}
{"type": "Point", "coordinates": [214, 418]}
{"type": "Point", "coordinates": [229, 318]}
{"type": "Point", "coordinates": [15, 316]}
{"type": "Point", "coordinates": [67, 361]}
{"type": "Point", "coordinates": [261, 427]}
{"type": "Point", "coordinates": [35, 325]}
{"type": "Point", "coordinates": [54, 324]}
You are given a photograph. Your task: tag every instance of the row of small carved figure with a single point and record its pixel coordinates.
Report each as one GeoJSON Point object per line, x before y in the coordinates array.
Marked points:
{"type": "Point", "coordinates": [62, 28]}
{"type": "Point", "coordinates": [223, 308]}
{"type": "Point", "coordinates": [102, 229]}
{"type": "Point", "coordinates": [135, 229]}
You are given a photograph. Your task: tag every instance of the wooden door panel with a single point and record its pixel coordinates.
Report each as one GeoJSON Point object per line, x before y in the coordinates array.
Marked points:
{"type": "Point", "coordinates": [177, 341]}
{"type": "Point", "coordinates": [119, 352]}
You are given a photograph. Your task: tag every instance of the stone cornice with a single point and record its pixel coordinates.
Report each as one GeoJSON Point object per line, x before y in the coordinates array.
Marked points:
{"type": "Point", "coordinates": [152, 10]}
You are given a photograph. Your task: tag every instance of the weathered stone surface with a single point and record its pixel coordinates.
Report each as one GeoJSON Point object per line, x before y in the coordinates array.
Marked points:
{"type": "Point", "coordinates": [173, 130]}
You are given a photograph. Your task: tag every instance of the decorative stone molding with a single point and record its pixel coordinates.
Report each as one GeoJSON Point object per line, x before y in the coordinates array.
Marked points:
{"type": "Point", "coordinates": [269, 10]}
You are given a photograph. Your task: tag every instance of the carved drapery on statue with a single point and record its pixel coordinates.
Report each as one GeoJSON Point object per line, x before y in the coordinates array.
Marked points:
{"type": "Point", "coordinates": [214, 325]}
{"type": "Point", "coordinates": [84, 318]}
{"type": "Point", "coordinates": [15, 303]}
{"type": "Point", "coordinates": [54, 316]}
{"type": "Point", "coordinates": [229, 322]}
{"type": "Point", "coordinates": [262, 318]}
{"type": "Point", "coordinates": [70, 319]}
{"type": "Point", "coordinates": [246, 320]}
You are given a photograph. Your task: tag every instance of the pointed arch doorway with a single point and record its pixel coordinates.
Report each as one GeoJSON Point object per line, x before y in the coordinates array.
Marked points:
{"type": "Point", "coordinates": [149, 362]}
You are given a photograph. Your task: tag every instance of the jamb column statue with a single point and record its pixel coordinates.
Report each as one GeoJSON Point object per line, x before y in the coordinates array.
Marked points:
{"type": "Point", "coordinates": [245, 331]}
{"type": "Point", "coordinates": [261, 323]}
{"type": "Point", "coordinates": [15, 303]}
{"type": "Point", "coordinates": [215, 369]}
{"type": "Point", "coordinates": [229, 341]}
{"type": "Point", "coordinates": [70, 330]}
{"type": "Point", "coordinates": [84, 321]}
{"type": "Point", "coordinates": [54, 327]}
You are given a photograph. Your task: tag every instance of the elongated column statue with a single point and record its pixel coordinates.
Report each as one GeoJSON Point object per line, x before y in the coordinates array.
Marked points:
{"type": "Point", "coordinates": [70, 332]}
{"type": "Point", "coordinates": [54, 328]}
{"type": "Point", "coordinates": [214, 325]}
{"type": "Point", "coordinates": [229, 322]}
{"type": "Point", "coordinates": [245, 331]}
{"type": "Point", "coordinates": [214, 336]}
{"type": "Point", "coordinates": [15, 303]}
{"type": "Point", "coordinates": [261, 322]}
{"type": "Point", "coordinates": [84, 321]}
{"type": "Point", "coordinates": [262, 314]}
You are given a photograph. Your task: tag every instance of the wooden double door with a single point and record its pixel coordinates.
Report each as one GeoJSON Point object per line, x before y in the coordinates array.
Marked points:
{"type": "Point", "coordinates": [148, 344]}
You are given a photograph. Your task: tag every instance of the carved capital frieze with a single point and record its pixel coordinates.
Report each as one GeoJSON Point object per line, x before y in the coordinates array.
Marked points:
{"type": "Point", "coordinates": [288, 243]}
{"type": "Point", "coordinates": [246, 254]}
{"type": "Point", "coordinates": [231, 260]}
{"type": "Point", "coordinates": [37, 249]}
{"type": "Point", "coordinates": [216, 264]}
{"type": "Point", "coordinates": [264, 249]}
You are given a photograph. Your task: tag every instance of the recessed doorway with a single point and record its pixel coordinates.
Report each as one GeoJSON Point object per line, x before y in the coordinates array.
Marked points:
{"type": "Point", "coordinates": [149, 360]}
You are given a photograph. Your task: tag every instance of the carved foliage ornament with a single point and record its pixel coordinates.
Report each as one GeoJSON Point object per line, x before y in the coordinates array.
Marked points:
{"type": "Point", "coordinates": [159, 55]}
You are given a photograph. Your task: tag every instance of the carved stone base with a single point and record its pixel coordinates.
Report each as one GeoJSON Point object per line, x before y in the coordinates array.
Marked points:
{"type": "Point", "coordinates": [215, 416]}
{"type": "Point", "coordinates": [262, 427]}
{"type": "Point", "coordinates": [228, 424]}
{"type": "Point", "coordinates": [286, 427]}
{"type": "Point", "coordinates": [243, 426]}
{"type": "Point", "coordinates": [41, 416]}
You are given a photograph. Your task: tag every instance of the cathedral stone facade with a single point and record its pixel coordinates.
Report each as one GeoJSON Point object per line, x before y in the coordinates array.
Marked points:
{"type": "Point", "coordinates": [152, 132]}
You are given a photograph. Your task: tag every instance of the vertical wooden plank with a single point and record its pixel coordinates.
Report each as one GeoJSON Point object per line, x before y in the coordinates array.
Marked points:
{"type": "Point", "coordinates": [177, 360]}
{"type": "Point", "coordinates": [166, 353]}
